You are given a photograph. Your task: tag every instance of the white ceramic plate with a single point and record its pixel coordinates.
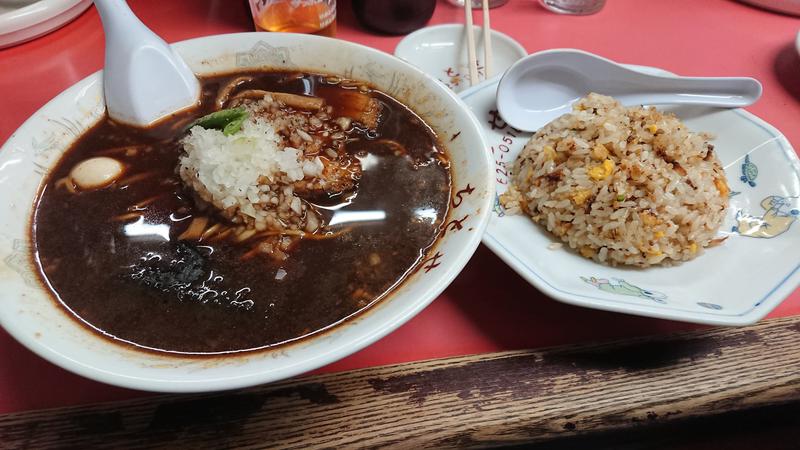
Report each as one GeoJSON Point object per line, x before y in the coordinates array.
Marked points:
{"type": "Point", "coordinates": [441, 51]}
{"type": "Point", "coordinates": [736, 283]}
{"type": "Point", "coordinates": [797, 43]}
{"type": "Point", "coordinates": [22, 21]}
{"type": "Point", "coordinates": [782, 6]}
{"type": "Point", "coordinates": [28, 312]}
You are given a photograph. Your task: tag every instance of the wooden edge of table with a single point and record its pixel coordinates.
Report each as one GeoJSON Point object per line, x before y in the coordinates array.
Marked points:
{"type": "Point", "coordinates": [502, 398]}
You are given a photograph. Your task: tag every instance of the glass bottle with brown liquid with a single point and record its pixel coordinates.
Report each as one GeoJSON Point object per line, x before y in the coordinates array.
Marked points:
{"type": "Point", "coordinates": [295, 16]}
{"type": "Point", "coordinates": [394, 16]}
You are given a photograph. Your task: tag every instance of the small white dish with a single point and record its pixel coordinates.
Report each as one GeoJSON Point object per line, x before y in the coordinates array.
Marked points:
{"type": "Point", "coordinates": [782, 6]}
{"type": "Point", "coordinates": [22, 21]}
{"type": "Point", "coordinates": [30, 314]}
{"type": "Point", "coordinates": [441, 51]}
{"type": "Point", "coordinates": [736, 283]}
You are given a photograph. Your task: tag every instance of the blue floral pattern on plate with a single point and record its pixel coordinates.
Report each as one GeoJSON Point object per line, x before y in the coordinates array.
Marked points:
{"type": "Point", "coordinates": [780, 213]}
{"type": "Point", "coordinates": [749, 171]}
{"type": "Point", "coordinates": [619, 286]}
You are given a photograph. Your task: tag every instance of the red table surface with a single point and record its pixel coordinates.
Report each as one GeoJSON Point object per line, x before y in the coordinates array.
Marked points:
{"type": "Point", "coordinates": [488, 307]}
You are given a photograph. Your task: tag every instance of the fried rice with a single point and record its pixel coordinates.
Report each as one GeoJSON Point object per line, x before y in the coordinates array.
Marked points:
{"type": "Point", "coordinates": [621, 185]}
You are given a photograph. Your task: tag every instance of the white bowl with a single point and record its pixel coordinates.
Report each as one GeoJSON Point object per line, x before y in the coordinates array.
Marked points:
{"type": "Point", "coordinates": [441, 51]}
{"type": "Point", "coordinates": [22, 21]}
{"type": "Point", "coordinates": [30, 314]}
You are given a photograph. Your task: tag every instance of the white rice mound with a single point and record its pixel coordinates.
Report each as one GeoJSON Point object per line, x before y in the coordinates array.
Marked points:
{"type": "Point", "coordinates": [250, 176]}
{"type": "Point", "coordinates": [621, 185]}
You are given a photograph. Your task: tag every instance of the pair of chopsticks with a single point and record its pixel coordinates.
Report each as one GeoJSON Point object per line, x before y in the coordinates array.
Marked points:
{"type": "Point", "coordinates": [487, 42]}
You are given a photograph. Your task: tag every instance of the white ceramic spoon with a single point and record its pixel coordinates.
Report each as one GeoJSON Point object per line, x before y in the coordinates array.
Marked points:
{"type": "Point", "coordinates": [542, 86]}
{"type": "Point", "coordinates": [143, 79]}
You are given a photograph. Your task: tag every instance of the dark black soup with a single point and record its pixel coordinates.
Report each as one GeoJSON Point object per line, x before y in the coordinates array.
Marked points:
{"type": "Point", "coordinates": [302, 200]}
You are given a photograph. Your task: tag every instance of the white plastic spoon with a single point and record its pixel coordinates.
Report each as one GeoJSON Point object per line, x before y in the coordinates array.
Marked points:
{"type": "Point", "coordinates": [544, 85]}
{"type": "Point", "coordinates": [143, 79]}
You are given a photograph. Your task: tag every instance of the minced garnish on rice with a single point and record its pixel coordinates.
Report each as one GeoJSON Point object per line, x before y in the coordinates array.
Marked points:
{"type": "Point", "coordinates": [621, 185]}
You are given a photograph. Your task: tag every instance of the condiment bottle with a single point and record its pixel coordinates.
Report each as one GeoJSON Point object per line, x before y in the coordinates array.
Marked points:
{"type": "Point", "coordinates": [295, 16]}
{"type": "Point", "coordinates": [393, 16]}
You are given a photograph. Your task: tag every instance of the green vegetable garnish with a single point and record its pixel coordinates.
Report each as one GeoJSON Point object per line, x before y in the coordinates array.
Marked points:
{"type": "Point", "coordinates": [234, 126]}
{"type": "Point", "coordinates": [228, 120]}
{"type": "Point", "coordinates": [620, 198]}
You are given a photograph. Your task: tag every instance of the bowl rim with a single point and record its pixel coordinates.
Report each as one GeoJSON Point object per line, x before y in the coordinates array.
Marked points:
{"type": "Point", "coordinates": [38, 18]}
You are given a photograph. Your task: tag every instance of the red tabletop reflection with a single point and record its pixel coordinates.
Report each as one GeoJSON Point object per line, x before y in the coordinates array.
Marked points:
{"type": "Point", "coordinates": [488, 307]}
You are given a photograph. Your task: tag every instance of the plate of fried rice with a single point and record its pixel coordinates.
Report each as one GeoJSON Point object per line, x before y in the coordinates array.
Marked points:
{"type": "Point", "coordinates": [676, 212]}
